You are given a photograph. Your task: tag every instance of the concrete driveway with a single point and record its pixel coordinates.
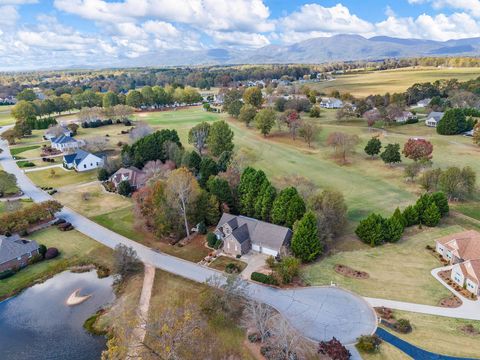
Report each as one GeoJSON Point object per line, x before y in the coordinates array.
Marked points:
{"type": "Point", "coordinates": [319, 313]}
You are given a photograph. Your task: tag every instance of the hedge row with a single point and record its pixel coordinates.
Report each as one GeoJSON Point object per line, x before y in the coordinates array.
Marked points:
{"type": "Point", "coordinates": [265, 279]}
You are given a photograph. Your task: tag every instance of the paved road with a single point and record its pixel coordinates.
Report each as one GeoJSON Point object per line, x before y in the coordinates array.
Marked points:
{"type": "Point", "coordinates": [318, 312]}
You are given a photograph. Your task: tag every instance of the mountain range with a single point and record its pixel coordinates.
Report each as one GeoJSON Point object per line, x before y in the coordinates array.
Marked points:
{"type": "Point", "coordinates": [315, 51]}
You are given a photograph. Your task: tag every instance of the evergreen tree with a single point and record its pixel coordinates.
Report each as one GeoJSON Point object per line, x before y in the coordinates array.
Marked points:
{"type": "Point", "coordinates": [398, 215]}
{"type": "Point", "coordinates": [453, 122]}
{"type": "Point", "coordinates": [268, 199]}
{"type": "Point", "coordinates": [220, 138]}
{"type": "Point", "coordinates": [373, 147]}
{"type": "Point", "coordinates": [124, 188]}
{"type": "Point", "coordinates": [391, 154]}
{"type": "Point", "coordinates": [208, 167]}
{"type": "Point", "coordinates": [221, 189]}
{"type": "Point", "coordinates": [191, 160]}
{"type": "Point", "coordinates": [371, 230]}
{"type": "Point", "coordinates": [287, 207]}
{"type": "Point", "coordinates": [393, 229]}
{"type": "Point", "coordinates": [431, 217]}
{"type": "Point", "coordinates": [305, 243]}
{"type": "Point", "coordinates": [410, 215]}
{"type": "Point", "coordinates": [422, 204]}
{"type": "Point", "coordinates": [440, 199]}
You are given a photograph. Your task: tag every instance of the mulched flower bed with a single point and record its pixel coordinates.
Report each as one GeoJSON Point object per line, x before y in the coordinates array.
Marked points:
{"type": "Point", "coordinates": [445, 275]}
{"type": "Point", "coordinates": [469, 330]}
{"type": "Point", "coordinates": [450, 302]}
{"type": "Point", "coordinates": [351, 273]}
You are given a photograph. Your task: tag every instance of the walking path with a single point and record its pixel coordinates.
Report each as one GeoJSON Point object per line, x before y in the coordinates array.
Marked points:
{"type": "Point", "coordinates": [139, 333]}
{"type": "Point", "coordinates": [44, 168]}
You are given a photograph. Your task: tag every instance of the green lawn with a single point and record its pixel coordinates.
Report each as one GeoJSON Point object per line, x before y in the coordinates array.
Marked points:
{"type": "Point", "coordinates": [19, 150]}
{"type": "Point", "coordinates": [441, 334]}
{"type": "Point", "coordinates": [471, 208]}
{"type": "Point", "coordinates": [74, 248]}
{"type": "Point", "coordinates": [122, 221]}
{"type": "Point", "coordinates": [387, 352]}
{"type": "Point", "coordinates": [398, 271]}
{"type": "Point", "coordinates": [44, 178]}
{"type": "Point", "coordinates": [10, 184]}
{"type": "Point", "coordinates": [221, 262]}
{"type": "Point", "coordinates": [392, 81]}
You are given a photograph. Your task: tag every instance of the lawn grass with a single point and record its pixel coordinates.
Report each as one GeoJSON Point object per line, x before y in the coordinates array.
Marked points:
{"type": "Point", "coordinates": [122, 222]}
{"type": "Point", "coordinates": [387, 352]}
{"type": "Point", "coordinates": [441, 334]}
{"type": "Point", "coordinates": [18, 150]}
{"type": "Point", "coordinates": [43, 178]}
{"type": "Point", "coordinates": [392, 81]}
{"type": "Point", "coordinates": [92, 200]}
{"type": "Point", "coordinates": [222, 261]}
{"type": "Point", "coordinates": [171, 291]}
{"type": "Point", "coordinates": [398, 271]}
{"type": "Point", "coordinates": [471, 208]}
{"type": "Point", "coordinates": [74, 248]}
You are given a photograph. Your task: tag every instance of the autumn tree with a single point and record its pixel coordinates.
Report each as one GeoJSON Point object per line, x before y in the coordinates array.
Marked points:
{"type": "Point", "coordinates": [418, 150]}
{"type": "Point", "coordinates": [345, 112]}
{"type": "Point", "coordinates": [125, 261]}
{"type": "Point", "coordinates": [343, 144]}
{"type": "Point", "coordinates": [253, 96]}
{"type": "Point", "coordinates": [198, 136]}
{"type": "Point", "coordinates": [309, 131]}
{"type": "Point", "coordinates": [331, 212]}
{"type": "Point", "coordinates": [293, 121]}
{"type": "Point", "coordinates": [264, 120]}
{"type": "Point", "coordinates": [247, 114]}
{"type": "Point", "coordinates": [182, 190]}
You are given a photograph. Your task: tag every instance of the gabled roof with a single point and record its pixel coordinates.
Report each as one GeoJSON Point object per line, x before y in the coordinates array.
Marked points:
{"type": "Point", "coordinates": [464, 245]}
{"type": "Point", "coordinates": [471, 270]}
{"type": "Point", "coordinates": [435, 115]}
{"type": "Point", "coordinates": [260, 232]}
{"type": "Point", "coordinates": [13, 247]}
{"type": "Point", "coordinates": [63, 140]}
{"type": "Point", "coordinates": [77, 157]}
{"type": "Point", "coordinates": [135, 176]}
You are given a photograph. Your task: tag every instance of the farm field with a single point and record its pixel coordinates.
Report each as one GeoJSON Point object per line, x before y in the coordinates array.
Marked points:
{"type": "Point", "coordinates": [381, 82]}
{"type": "Point", "coordinates": [441, 334]}
{"type": "Point", "coordinates": [398, 271]}
{"type": "Point", "coordinates": [44, 178]}
{"type": "Point", "coordinates": [74, 247]}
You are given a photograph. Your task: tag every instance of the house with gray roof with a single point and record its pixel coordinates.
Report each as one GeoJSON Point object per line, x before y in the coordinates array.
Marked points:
{"type": "Point", "coordinates": [15, 252]}
{"type": "Point", "coordinates": [240, 234]}
{"type": "Point", "coordinates": [66, 143]}
{"type": "Point", "coordinates": [433, 118]}
{"type": "Point", "coordinates": [82, 160]}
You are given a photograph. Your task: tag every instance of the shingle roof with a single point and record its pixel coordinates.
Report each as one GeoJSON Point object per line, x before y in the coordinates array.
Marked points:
{"type": "Point", "coordinates": [77, 157]}
{"type": "Point", "coordinates": [13, 247]}
{"type": "Point", "coordinates": [63, 140]}
{"type": "Point", "coordinates": [135, 176]}
{"type": "Point", "coordinates": [464, 245]}
{"type": "Point", "coordinates": [435, 115]}
{"type": "Point", "coordinates": [261, 233]}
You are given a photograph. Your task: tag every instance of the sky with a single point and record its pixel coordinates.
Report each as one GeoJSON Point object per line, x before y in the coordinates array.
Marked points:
{"type": "Point", "coordinates": [66, 33]}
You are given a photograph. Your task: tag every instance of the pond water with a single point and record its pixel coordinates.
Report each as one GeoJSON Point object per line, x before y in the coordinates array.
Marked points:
{"type": "Point", "coordinates": [37, 324]}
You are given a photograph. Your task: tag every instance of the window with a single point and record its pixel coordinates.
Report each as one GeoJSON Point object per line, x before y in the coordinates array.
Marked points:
{"type": "Point", "coordinates": [84, 166]}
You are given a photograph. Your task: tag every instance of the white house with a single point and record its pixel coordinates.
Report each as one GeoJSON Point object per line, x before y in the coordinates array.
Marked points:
{"type": "Point", "coordinates": [331, 103]}
{"type": "Point", "coordinates": [66, 143]}
{"type": "Point", "coordinates": [423, 103]}
{"type": "Point", "coordinates": [406, 115]}
{"type": "Point", "coordinates": [433, 118]}
{"type": "Point", "coordinates": [82, 161]}
{"type": "Point", "coordinates": [55, 131]}
{"type": "Point", "coordinates": [467, 274]}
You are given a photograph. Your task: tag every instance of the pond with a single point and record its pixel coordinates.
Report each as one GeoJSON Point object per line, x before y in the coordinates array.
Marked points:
{"type": "Point", "coordinates": [37, 324]}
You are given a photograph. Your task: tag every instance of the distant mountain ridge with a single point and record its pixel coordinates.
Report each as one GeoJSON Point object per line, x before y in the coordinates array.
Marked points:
{"type": "Point", "coordinates": [315, 51]}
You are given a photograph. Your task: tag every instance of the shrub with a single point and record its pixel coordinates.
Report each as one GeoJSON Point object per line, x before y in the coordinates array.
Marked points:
{"type": "Point", "coordinates": [218, 244]}
{"type": "Point", "coordinates": [102, 174]}
{"type": "Point", "coordinates": [124, 188]}
{"type": "Point", "coordinates": [35, 259]}
{"type": "Point", "coordinates": [265, 279]}
{"type": "Point", "coordinates": [238, 256]}
{"type": "Point", "coordinates": [369, 343]}
{"type": "Point", "coordinates": [232, 268]}
{"type": "Point", "coordinates": [42, 249]}
{"type": "Point", "coordinates": [334, 350]}
{"type": "Point", "coordinates": [403, 326]}
{"type": "Point", "coordinates": [211, 239]}
{"type": "Point", "coordinates": [431, 216]}
{"type": "Point", "coordinates": [202, 228]}
{"type": "Point", "coordinates": [6, 274]}
{"type": "Point", "coordinates": [371, 230]}
{"type": "Point", "coordinates": [51, 253]}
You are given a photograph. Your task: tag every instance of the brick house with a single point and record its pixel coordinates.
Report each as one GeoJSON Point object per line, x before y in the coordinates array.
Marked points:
{"type": "Point", "coordinates": [15, 252]}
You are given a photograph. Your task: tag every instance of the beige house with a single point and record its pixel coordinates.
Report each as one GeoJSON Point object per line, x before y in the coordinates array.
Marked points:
{"type": "Point", "coordinates": [135, 177]}
{"type": "Point", "coordinates": [463, 251]}
{"type": "Point", "coordinates": [240, 234]}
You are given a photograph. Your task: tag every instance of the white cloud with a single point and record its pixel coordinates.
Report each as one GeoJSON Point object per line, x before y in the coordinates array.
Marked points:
{"type": "Point", "coordinates": [17, 2]}
{"type": "Point", "coordinates": [8, 15]}
{"type": "Point", "coordinates": [234, 38]}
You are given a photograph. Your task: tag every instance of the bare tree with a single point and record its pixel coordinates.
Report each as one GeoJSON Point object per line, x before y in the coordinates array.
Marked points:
{"type": "Point", "coordinates": [155, 169]}
{"type": "Point", "coordinates": [182, 190]}
{"type": "Point", "coordinates": [97, 144]}
{"type": "Point", "coordinates": [55, 130]}
{"type": "Point", "coordinates": [343, 144]}
{"type": "Point", "coordinates": [286, 342]}
{"type": "Point", "coordinates": [122, 112]}
{"type": "Point", "coordinates": [139, 131]}
{"type": "Point", "coordinates": [258, 316]}
{"type": "Point", "coordinates": [309, 131]}
{"type": "Point", "coordinates": [198, 135]}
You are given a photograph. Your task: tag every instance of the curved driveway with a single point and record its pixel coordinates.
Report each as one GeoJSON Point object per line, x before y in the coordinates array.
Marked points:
{"type": "Point", "coordinates": [318, 312]}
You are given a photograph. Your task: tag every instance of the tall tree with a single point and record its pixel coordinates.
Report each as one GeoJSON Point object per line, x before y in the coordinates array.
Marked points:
{"type": "Point", "coordinates": [220, 138]}
{"type": "Point", "coordinates": [181, 191]}
{"type": "Point", "coordinates": [264, 120]}
{"type": "Point", "coordinates": [253, 96]}
{"type": "Point", "coordinates": [343, 144]}
{"type": "Point", "coordinates": [305, 242]}
{"type": "Point", "coordinates": [134, 99]}
{"type": "Point", "coordinates": [247, 114]}
{"type": "Point", "coordinates": [198, 135]}
{"type": "Point", "coordinates": [391, 154]}
{"type": "Point", "coordinates": [288, 207]}
{"type": "Point", "coordinates": [373, 147]}
{"type": "Point", "coordinates": [418, 149]}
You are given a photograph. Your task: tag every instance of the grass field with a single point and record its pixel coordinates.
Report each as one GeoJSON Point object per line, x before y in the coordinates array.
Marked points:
{"type": "Point", "coordinates": [172, 291]}
{"type": "Point", "coordinates": [5, 116]}
{"type": "Point", "coordinates": [74, 247]}
{"type": "Point", "coordinates": [43, 178]}
{"type": "Point", "coordinates": [381, 82]}
{"type": "Point", "coordinates": [22, 149]}
{"type": "Point", "coordinates": [441, 334]}
{"type": "Point", "coordinates": [387, 352]}
{"type": "Point", "coordinates": [221, 262]}
{"type": "Point", "coordinates": [398, 271]}
{"type": "Point", "coordinates": [92, 200]}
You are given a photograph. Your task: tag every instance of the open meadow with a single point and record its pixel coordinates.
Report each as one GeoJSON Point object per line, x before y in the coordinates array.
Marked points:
{"type": "Point", "coordinates": [362, 84]}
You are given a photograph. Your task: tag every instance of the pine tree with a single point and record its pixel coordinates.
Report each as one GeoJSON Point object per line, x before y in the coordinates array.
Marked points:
{"type": "Point", "coordinates": [373, 147]}
{"type": "Point", "coordinates": [288, 207]}
{"type": "Point", "coordinates": [431, 217]}
{"type": "Point", "coordinates": [441, 201]}
{"type": "Point", "coordinates": [391, 154]}
{"type": "Point", "coordinates": [410, 215]}
{"type": "Point", "coordinates": [371, 230]}
{"type": "Point", "coordinates": [267, 202]}
{"type": "Point", "coordinates": [393, 229]}
{"type": "Point", "coordinates": [399, 216]}
{"type": "Point", "coordinates": [305, 243]}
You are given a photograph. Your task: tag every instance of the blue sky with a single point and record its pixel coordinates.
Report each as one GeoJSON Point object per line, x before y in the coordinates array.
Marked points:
{"type": "Point", "coordinates": [63, 33]}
